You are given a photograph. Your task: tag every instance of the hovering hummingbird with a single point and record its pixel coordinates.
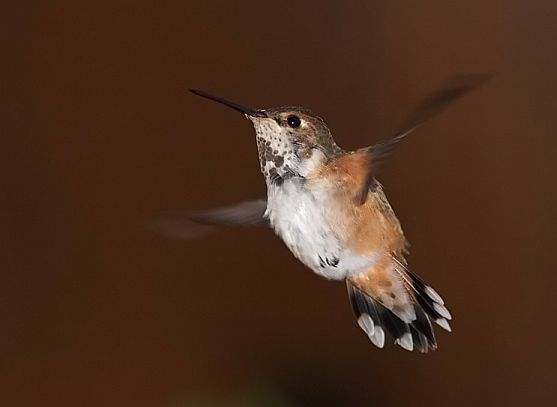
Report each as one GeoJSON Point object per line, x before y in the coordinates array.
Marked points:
{"type": "Point", "coordinates": [327, 206]}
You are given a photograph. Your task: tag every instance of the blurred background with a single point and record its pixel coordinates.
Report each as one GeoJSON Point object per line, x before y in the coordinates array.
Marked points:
{"type": "Point", "coordinates": [98, 135]}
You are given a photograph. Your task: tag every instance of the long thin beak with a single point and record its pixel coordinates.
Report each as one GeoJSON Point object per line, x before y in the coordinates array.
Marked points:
{"type": "Point", "coordinates": [245, 110]}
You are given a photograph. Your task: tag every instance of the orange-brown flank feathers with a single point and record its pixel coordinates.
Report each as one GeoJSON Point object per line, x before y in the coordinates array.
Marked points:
{"type": "Point", "coordinates": [365, 229]}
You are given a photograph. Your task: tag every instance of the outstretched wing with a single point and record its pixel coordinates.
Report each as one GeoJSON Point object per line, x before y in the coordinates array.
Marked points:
{"type": "Point", "coordinates": [430, 107]}
{"type": "Point", "coordinates": [193, 224]}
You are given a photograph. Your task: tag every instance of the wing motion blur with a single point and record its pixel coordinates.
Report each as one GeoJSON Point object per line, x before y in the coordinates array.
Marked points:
{"type": "Point", "coordinates": [188, 225]}
{"type": "Point", "coordinates": [249, 213]}
{"type": "Point", "coordinates": [427, 109]}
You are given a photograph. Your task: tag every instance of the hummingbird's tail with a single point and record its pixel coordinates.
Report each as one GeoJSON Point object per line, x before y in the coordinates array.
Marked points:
{"type": "Point", "coordinates": [409, 320]}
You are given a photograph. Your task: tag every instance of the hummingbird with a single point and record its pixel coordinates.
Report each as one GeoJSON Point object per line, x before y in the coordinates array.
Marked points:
{"type": "Point", "coordinates": [327, 206]}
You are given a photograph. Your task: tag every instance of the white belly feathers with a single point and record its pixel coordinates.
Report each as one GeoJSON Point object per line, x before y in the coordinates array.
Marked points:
{"type": "Point", "coordinates": [299, 217]}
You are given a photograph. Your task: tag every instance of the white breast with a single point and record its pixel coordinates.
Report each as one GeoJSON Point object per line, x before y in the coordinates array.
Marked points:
{"type": "Point", "coordinates": [300, 218]}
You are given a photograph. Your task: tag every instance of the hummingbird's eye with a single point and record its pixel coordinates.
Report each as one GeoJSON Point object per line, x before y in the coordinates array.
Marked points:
{"type": "Point", "coordinates": [294, 121]}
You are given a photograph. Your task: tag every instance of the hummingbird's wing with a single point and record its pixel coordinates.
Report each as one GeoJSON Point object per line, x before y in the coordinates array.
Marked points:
{"type": "Point", "coordinates": [428, 108]}
{"type": "Point", "coordinates": [194, 224]}
{"type": "Point", "coordinates": [249, 213]}
{"type": "Point", "coordinates": [393, 300]}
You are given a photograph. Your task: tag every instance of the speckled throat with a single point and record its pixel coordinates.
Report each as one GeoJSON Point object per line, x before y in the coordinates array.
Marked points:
{"type": "Point", "coordinates": [282, 150]}
{"type": "Point", "coordinates": [277, 155]}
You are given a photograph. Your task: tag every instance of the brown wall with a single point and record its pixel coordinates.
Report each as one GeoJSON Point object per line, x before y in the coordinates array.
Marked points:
{"type": "Point", "coordinates": [98, 134]}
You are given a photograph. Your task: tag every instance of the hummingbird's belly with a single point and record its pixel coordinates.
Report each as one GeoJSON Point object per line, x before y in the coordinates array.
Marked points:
{"type": "Point", "coordinates": [299, 218]}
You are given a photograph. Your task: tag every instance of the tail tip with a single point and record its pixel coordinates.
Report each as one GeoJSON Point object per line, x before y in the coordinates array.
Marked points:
{"type": "Point", "coordinates": [406, 342]}
{"type": "Point", "coordinates": [443, 323]}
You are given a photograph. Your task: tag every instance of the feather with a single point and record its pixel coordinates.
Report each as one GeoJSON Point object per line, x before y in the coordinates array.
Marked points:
{"type": "Point", "coordinates": [375, 320]}
{"type": "Point", "coordinates": [397, 301]}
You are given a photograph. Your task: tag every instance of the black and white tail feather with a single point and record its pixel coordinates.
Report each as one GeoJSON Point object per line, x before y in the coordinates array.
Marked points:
{"type": "Point", "coordinates": [417, 334]}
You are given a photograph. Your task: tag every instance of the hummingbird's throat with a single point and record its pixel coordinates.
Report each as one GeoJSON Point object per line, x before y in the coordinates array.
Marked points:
{"type": "Point", "coordinates": [276, 154]}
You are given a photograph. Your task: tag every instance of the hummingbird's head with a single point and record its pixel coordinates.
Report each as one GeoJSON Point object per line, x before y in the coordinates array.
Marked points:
{"type": "Point", "coordinates": [291, 140]}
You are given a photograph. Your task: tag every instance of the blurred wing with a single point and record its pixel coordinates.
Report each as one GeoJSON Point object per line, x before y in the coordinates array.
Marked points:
{"type": "Point", "coordinates": [430, 107]}
{"type": "Point", "coordinates": [195, 224]}
{"type": "Point", "coordinates": [250, 213]}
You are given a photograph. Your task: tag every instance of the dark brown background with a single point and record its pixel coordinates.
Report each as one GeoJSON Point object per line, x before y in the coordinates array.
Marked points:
{"type": "Point", "coordinates": [98, 135]}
